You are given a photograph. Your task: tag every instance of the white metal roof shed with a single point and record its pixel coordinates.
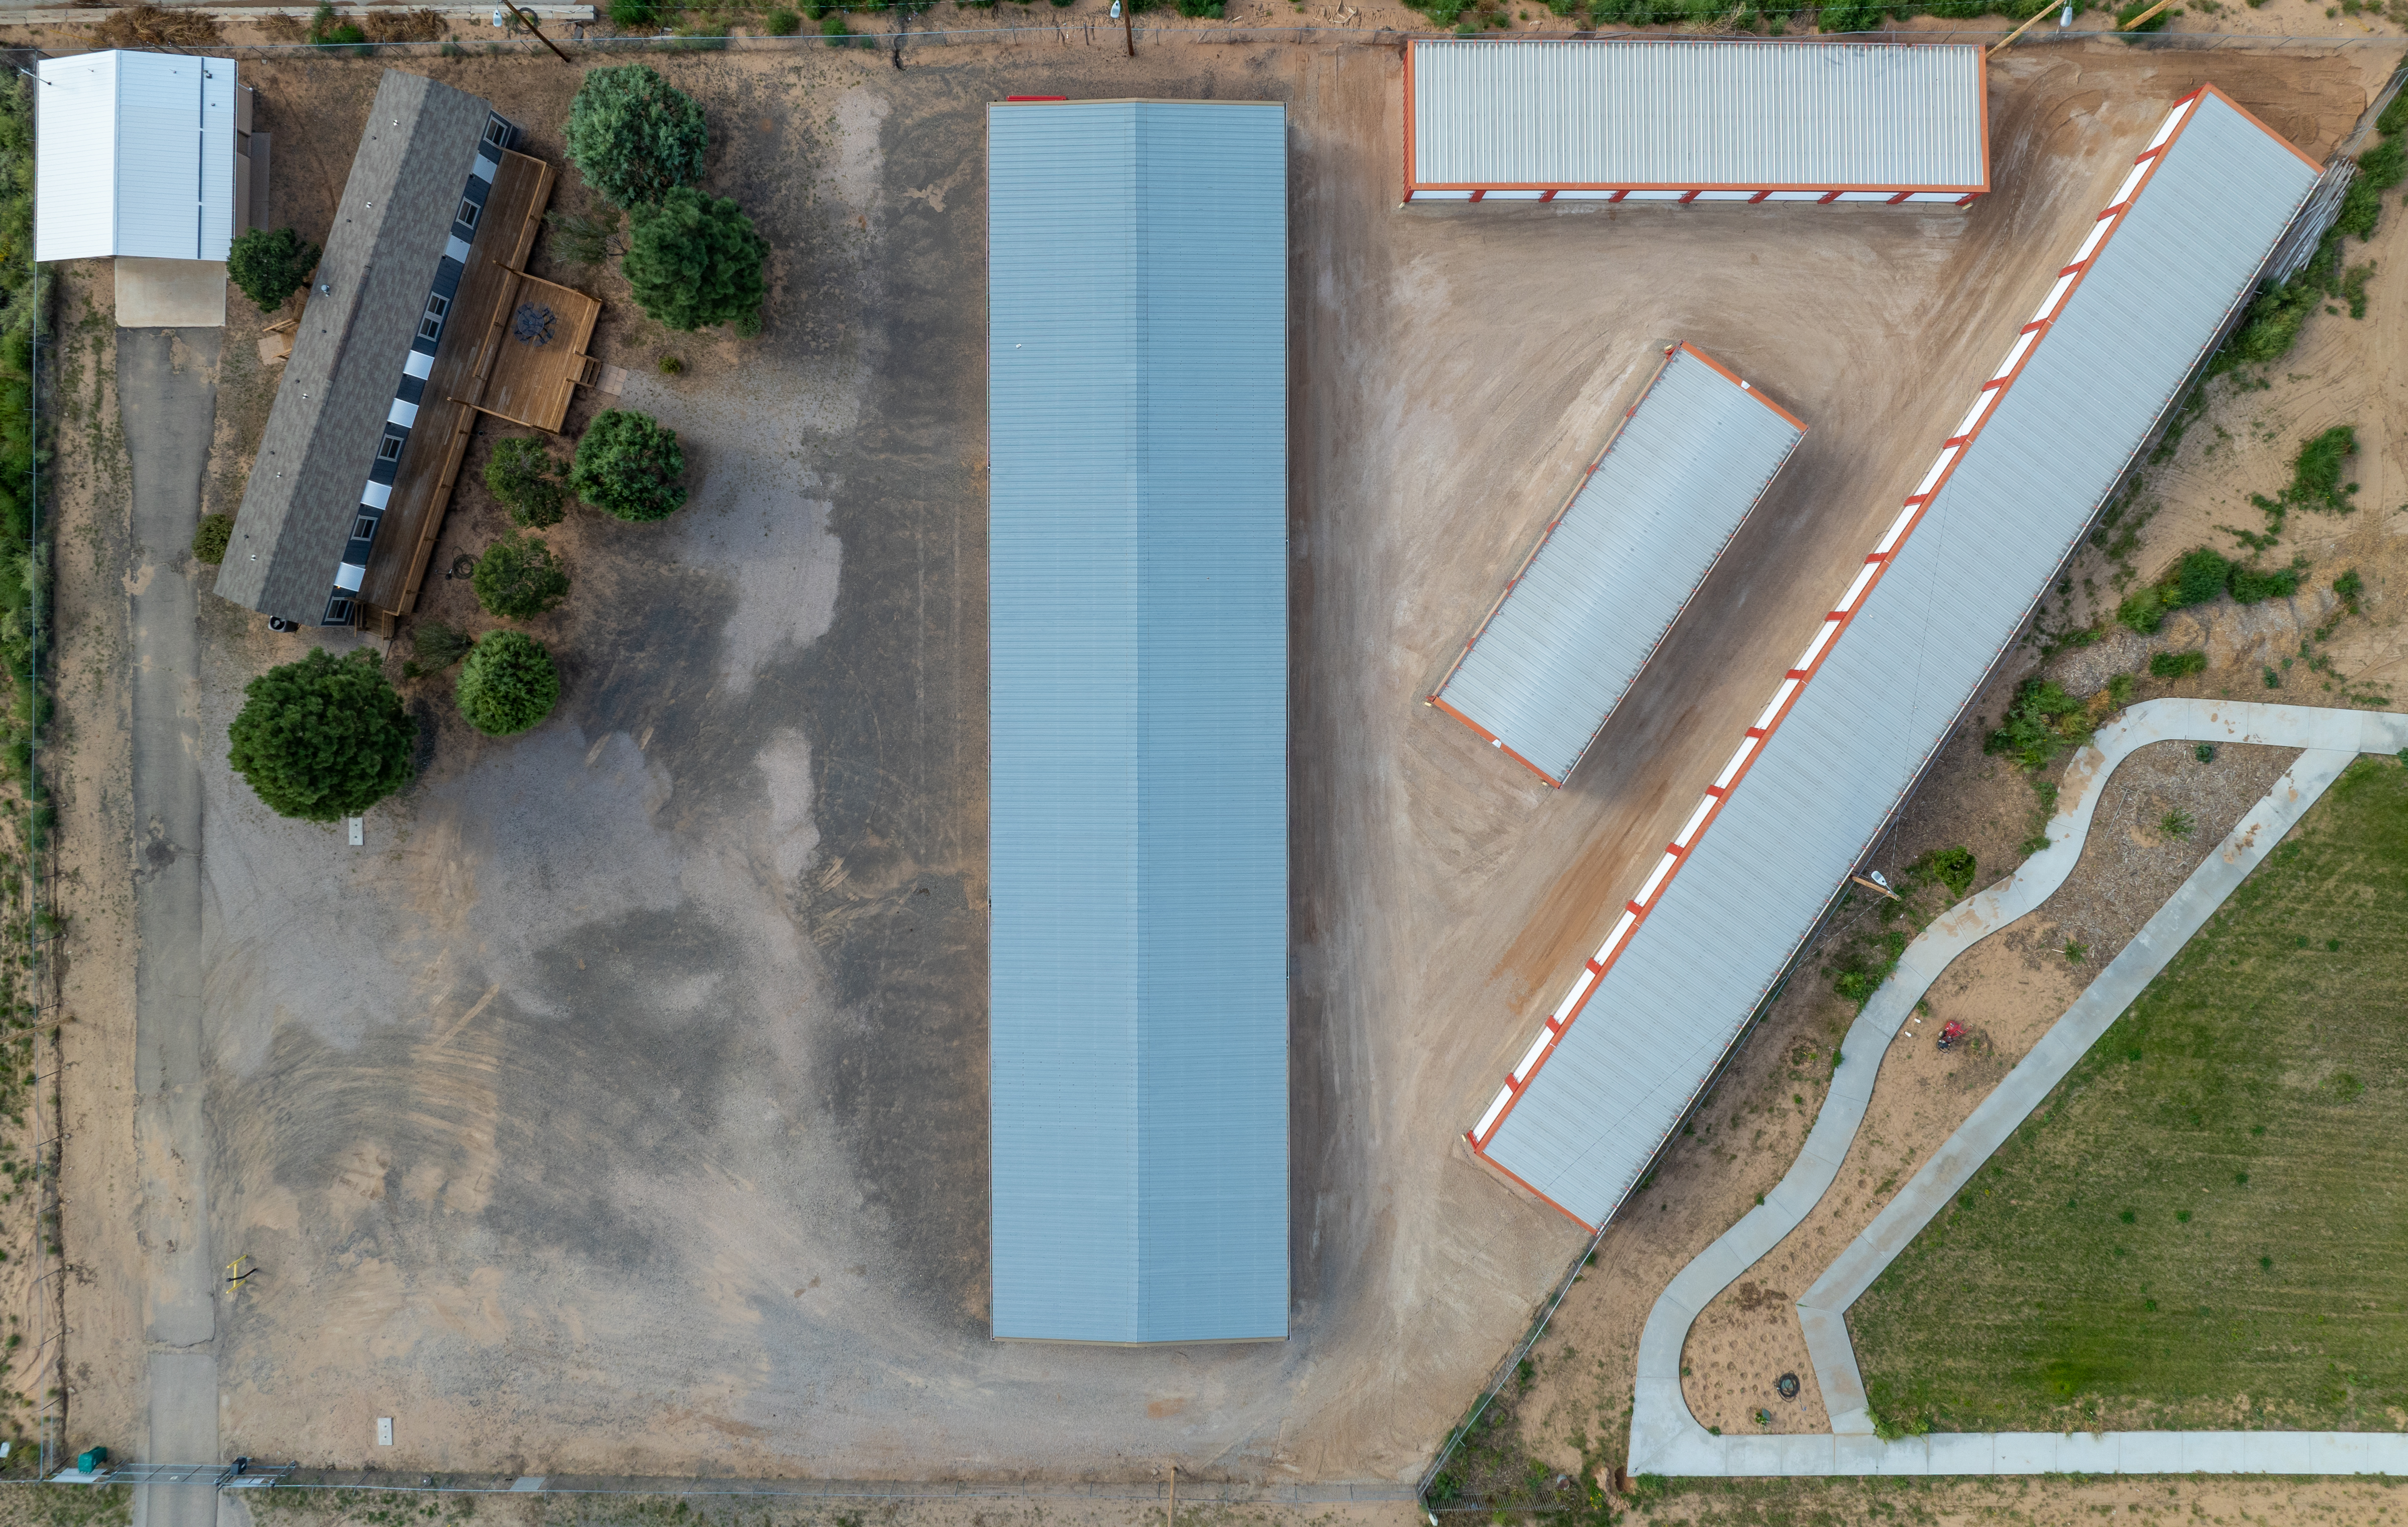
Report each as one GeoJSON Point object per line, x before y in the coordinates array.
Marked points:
{"type": "Point", "coordinates": [1591, 603]}
{"type": "Point", "coordinates": [1816, 779]}
{"type": "Point", "coordinates": [1656, 120]}
{"type": "Point", "coordinates": [135, 156]}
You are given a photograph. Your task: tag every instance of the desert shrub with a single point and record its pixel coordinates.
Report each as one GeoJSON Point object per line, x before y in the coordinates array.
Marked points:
{"type": "Point", "coordinates": [695, 262]}
{"type": "Point", "coordinates": [526, 479]}
{"type": "Point", "coordinates": [1200, 7]}
{"type": "Point", "coordinates": [323, 738]}
{"type": "Point", "coordinates": [1951, 867]}
{"type": "Point", "coordinates": [2041, 722]}
{"type": "Point", "coordinates": [328, 30]}
{"type": "Point", "coordinates": [672, 366]}
{"type": "Point", "coordinates": [2177, 665]}
{"type": "Point", "coordinates": [634, 135]}
{"type": "Point", "coordinates": [518, 578]}
{"type": "Point", "coordinates": [2317, 470]}
{"type": "Point", "coordinates": [832, 25]}
{"type": "Point", "coordinates": [270, 264]}
{"type": "Point", "coordinates": [2200, 576]}
{"type": "Point", "coordinates": [2254, 585]}
{"type": "Point", "coordinates": [586, 239]}
{"type": "Point", "coordinates": [157, 26]}
{"type": "Point", "coordinates": [2119, 690]}
{"type": "Point", "coordinates": [209, 538]}
{"type": "Point", "coordinates": [403, 25]}
{"type": "Point", "coordinates": [509, 683]}
{"type": "Point", "coordinates": [629, 466]}
{"type": "Point", "coordinates": [785, 22]}
{"type": "Point", "coordinates": [436, 645]}
{"type": "Point", "coordinates": [635, 15]}
{"type": "Point", "coordinates": [2395, 116]}
{"type": "Point", "coordinates": [1850, 16]}
{"type": "Point", "coordinates": [2349, 586]}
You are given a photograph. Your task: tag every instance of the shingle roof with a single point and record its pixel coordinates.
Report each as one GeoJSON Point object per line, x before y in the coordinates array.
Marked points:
{"type": "Point", "coordinates": [2052, 434]}
{"type": "Point", "coordinates": [1137, 259]}
{"type": "Point", "coordinates": [380, 258]}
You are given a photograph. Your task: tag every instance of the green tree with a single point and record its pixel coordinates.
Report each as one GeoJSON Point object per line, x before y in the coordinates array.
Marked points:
{"type": "Point", "coordinates": [209, 538]}
{"type": "Point", "coordinates": [270, 265]}
{"type": "Point", "coordinates": [507, 684]}
{"type": "Point", "coordinates": [323, 738]}
{"type": "Point", "coordinates": [634, 135]}
{"type": "Point", "coordinates": [629, 466]}
{"type": "Point", "coordinates": [526, 479]}
{"type": "Point", "coordinates": [694, 261]}
{"type": "Point", "coordinates": [518, 578]}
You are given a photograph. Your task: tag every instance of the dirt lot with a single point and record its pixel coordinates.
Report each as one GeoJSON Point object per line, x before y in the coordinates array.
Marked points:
{"type": "Point", "coordinates": [621, 1107]}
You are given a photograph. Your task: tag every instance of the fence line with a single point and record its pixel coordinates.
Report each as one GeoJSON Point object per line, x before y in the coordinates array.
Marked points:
{"type": "Point", "coordinates": [1096, 32]}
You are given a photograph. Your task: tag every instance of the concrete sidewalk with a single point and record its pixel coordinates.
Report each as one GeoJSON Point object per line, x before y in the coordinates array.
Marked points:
{"type": "Point", "coordinates": [1665, 1439]}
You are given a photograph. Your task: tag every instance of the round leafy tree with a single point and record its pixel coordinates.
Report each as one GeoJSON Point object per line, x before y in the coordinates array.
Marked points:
{"type": "Point", "coordinates": [629, 466]}
{"type": "Point", "coordinates": [209, 538]}
{"type": "Point", "coordinates": [694, 261]}
{"type": "Point", "coordinates": [270, 265]}
{"type": "Point", "coordinates": [518, 578]}
{"type": "Point", "coordinates": [634, 135]}
{"type": "Point", "coordinates": [507, 684]}
{"type": "Point", "coordinates": [526, 479]}
{"type": "Point", "coordinates": [324, 737]}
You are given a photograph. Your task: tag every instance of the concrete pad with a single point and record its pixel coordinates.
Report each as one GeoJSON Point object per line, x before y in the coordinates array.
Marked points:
{"type": "Point", "coordinates": [171, 294]}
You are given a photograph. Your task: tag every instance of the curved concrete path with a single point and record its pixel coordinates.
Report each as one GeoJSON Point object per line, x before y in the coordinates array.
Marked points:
{"type": "Point", "coordinates": [1665, 1439]}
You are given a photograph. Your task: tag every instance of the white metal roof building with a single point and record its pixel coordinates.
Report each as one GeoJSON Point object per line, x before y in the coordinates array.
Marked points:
{"type": "Point", "coordinates": [1650, 120]}
{"type": "Point", "coordinates": [1137, 975]}
{"type": "Point", "coordinates": [1594, 599]}
{"type": "Point", "coordinates": [135, 156]}
{"type": "Point", "coordinates": [1815, 780]}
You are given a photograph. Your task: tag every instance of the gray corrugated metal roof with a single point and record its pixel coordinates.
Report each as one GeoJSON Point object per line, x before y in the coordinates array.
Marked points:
{"type": "Point", "coordinates": [1895, 680]}
{"type": "Point", "coordinates": [1799, 115]}
{"type": "Point", "coordinates": [381, 259]}
{"type": "Point", "coordinates": [1660, 504]}
{"type": "Point", "coordinates": [1137, 276]}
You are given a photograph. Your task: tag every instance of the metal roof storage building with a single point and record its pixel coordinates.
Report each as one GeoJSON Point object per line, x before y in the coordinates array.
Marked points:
{"type": "Point", "coordinates": [1648, 120]}
{"type": "Point", "coordinates": [1136, 281]}
{"type": "Point", "coordinates": [1814, 783]}
{"type": "Point", "coordinates": [1620, 561]}
{"type": "Point", "coordinates": [136, 156]}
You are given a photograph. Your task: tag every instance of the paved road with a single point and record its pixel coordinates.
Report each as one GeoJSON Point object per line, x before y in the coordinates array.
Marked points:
{"type": "Point", "coordinates": [1664, 1438]}
{"type": "Point", "coordinates": [166, 389]}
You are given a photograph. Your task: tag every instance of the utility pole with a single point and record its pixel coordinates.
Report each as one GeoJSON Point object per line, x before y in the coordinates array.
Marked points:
{"type": "Point", "coordinates": [528, 21]}
{"type": "Point", "coordinates": [1128, 34]}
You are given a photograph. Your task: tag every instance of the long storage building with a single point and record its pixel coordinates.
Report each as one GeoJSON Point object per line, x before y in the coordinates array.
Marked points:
{"type": "Point", "coordinates": [1137, 279]}
{"type": "Point", "coordinates": [1670, 121]}
{"type": "Point", "coordinates": [2131, 317]}
{"type": "Point", "coordinates": [1611, 572]}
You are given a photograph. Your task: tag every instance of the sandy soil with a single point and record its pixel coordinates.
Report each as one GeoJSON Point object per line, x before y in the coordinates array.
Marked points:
{"type": "Point", "coordinates": [627, 1110]}
{"type": "Point", "coordinates": [90, 772]}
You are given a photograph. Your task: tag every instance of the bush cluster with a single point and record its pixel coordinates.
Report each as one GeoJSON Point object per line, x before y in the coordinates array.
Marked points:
{"type": "Point", "coordinates": [2177, 665]}
{"type": "Point", "coordinates": [509, 683]}
{"type": "Point", "coordinates": [629, 465]}
{"type": "Point", "coordinates": [270, 265]}
{"type": "Point", "coordinates": [526, 479]}
{"type": "Point", "coordinates": [2041, 722]}
{"type": "Point", "coordinates": [692, 259]}
{"type": "Point", "coordinates": [2203, 574]}
{"type": "Point", "coordinates": [323, 738]}
{"type": "Point", "coordinates": [24, 558]}
{"type": "Point", "coordinates": [519, 578]}
{"type": "Point", "coordinates": [212, 537]}
{"type": "Point", "coordinates": [2272, 323]}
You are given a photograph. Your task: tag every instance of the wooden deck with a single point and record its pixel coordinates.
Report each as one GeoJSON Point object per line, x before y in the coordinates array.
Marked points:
{"type": "Point", "coordinates": [537, 353]}
{"type": "Point", "coordinates": [481, 366]}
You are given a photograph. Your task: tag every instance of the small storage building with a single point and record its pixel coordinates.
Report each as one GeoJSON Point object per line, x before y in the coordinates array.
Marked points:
{"type": "Point", "coordinates": [1656, 119]}
{"type": "Point", "coordinates": [140, 154]}
{"type": "Point", "coordinates": [1137, 300]}
{"type": "Point", "coordinates": [2046, 438]}
{"type": "Point", "coordinates": [1614, 568]}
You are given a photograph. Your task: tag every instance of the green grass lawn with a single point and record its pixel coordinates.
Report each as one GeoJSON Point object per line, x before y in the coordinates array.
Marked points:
{"type": "Point", "coordinates": [2214, 1204]}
